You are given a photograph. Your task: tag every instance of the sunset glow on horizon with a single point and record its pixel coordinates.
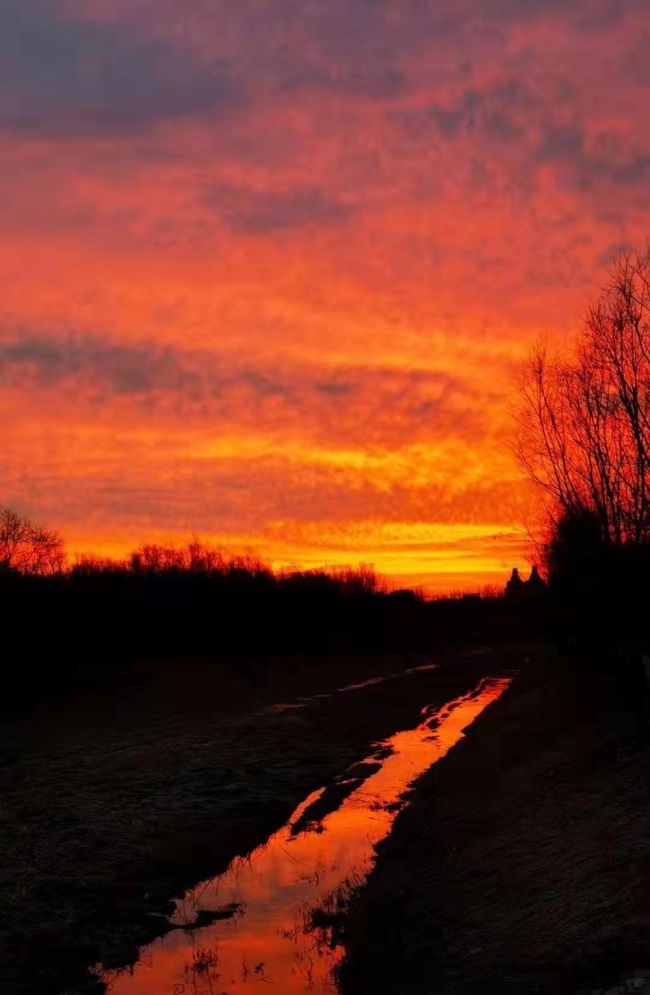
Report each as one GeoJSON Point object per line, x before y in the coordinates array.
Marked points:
{"type": "Point", "coordinates": [270, 268]}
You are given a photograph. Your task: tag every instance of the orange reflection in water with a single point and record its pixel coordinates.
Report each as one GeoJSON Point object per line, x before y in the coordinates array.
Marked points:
{"type": "Point", "coordinates": [273, 939]}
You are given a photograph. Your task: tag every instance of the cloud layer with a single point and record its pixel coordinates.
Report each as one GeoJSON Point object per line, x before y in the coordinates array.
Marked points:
{"type": "Point", "coordinates": [269, 268]}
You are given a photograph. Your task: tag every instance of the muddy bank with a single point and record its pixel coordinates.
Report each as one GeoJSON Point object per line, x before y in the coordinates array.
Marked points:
{"type": "Point", "coordinates": [522, 864]}
{"type": "Point", "coordinates": [113, 809]}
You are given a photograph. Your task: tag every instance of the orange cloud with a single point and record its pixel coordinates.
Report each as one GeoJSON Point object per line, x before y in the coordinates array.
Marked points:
{"type": "Point", "coordinates": [269, 269]}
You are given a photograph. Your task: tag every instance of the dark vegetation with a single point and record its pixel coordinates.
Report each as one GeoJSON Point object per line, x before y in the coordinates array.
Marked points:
{"type": "Point", "coordinates": [90, 623]}
{"type": "Point", "coordinates": [584, 440]}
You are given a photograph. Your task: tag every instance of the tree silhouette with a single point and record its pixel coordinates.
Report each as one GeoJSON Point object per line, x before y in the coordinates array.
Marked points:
{"type": "Point", "coordinates": [27, 548]}
{"type": "Point", "coordinates": [584, 415]}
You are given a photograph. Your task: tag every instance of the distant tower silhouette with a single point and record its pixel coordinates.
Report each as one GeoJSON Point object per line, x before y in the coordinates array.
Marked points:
{"type": "Point", "coordinates": [535, 584]}
{"type": "Point", "coordinates": [515, 585]}
{"type": "Point", "coordinates": [517, 588]}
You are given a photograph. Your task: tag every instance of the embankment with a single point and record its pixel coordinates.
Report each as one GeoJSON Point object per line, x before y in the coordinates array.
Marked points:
{"type": "Point", "coordinates": [523, 861]}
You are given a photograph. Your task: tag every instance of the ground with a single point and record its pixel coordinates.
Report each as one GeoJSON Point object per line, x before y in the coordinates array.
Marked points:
{"type": "Point", "coordinates": [115, 803]}
{"type": "Point", "coordinates": [520, 865]}
{"type": "Point", "coordinates": [523, 861]}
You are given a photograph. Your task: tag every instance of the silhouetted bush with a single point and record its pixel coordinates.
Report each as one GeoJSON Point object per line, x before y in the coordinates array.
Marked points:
{"type": "Point", "coordinates": [94, 621]}
{"type": "Point", "coordinates": [599, 588]}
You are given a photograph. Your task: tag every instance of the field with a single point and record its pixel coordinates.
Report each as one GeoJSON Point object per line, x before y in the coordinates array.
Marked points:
{"type": "Point", "coordinates": [116, 804]}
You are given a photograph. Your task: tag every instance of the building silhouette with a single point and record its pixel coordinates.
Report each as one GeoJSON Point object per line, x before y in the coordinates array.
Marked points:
{"type": "Point", "coordinates": [517, 589]}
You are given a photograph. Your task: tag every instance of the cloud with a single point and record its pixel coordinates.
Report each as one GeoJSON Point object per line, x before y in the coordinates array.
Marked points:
{"type": "Point", "coordinates": [49, 362]}
{"type": "Point", "coordinates": [498, 110]}
{"type": "Point", "coordinates": [258, 212]}
{"type": "Point", "coordinates": [87, 73]}
{"type": "Point", "coordinates": [127, 474]}
{"type": "Point", "coordinates": [561, 142]}
{"type": "Point", "coordinates": [75, 76]}
{"type": "Point", "coordinates": [293, 284]}
{"type": "Point", "coordinates": [605, 161]}
{"type": "Point", "coordinates": [348, 405]}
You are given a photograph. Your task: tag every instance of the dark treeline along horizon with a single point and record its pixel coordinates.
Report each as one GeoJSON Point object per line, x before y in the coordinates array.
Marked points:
{"type": "Point", "coordinates": [93, 620]}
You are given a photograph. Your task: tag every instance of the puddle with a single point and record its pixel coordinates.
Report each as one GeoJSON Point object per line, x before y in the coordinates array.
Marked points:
{"type": "Point", "coordinates": [284, 893]}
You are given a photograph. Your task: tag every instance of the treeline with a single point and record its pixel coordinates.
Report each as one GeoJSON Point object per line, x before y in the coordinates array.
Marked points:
{"type": "Point", "coordinates": [94, 620]}
{"type": "Point", "coordinates": [599, 590]}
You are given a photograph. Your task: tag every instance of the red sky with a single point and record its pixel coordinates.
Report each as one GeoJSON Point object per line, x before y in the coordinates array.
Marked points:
{"type": "Point", "coordinates": [269, 266]}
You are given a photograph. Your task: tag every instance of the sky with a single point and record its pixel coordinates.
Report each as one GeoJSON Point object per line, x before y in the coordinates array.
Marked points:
{"type": "Point", "coordinates": [270, 267]}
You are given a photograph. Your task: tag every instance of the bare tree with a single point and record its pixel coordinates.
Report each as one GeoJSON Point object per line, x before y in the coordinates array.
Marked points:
{"type": "Point", "coordinates": [195, 557]}
{"type": "Point", "coordinates": [584, 417]}
{"type": "Point", "coordinates": [28, 548]}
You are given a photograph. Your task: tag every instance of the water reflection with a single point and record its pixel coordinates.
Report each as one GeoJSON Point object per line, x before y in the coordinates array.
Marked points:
{"type": "Point", "coordinates": [285, 897]}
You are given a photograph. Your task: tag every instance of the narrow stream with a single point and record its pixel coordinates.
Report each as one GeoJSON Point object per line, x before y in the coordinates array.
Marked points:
{"type": "Point", "coordinates": [269, 916]}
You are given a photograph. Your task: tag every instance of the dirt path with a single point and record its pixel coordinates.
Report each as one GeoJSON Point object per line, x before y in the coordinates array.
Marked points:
{"type": "Point", "coordinates": [110, 812]}
{"type": "Point", "coordinates": [523, 862]}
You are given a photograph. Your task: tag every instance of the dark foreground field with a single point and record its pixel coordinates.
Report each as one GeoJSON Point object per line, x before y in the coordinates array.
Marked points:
{"type": "Point", "coordinates": [523, 863]}
{"type": "Point", "coordinates": [114, 805]}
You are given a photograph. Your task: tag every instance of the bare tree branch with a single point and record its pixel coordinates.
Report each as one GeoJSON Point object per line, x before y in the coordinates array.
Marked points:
{"type": "Point", "coordinates": [584, 418]}
{"type": "Point", "coordinates": [27, 548]}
